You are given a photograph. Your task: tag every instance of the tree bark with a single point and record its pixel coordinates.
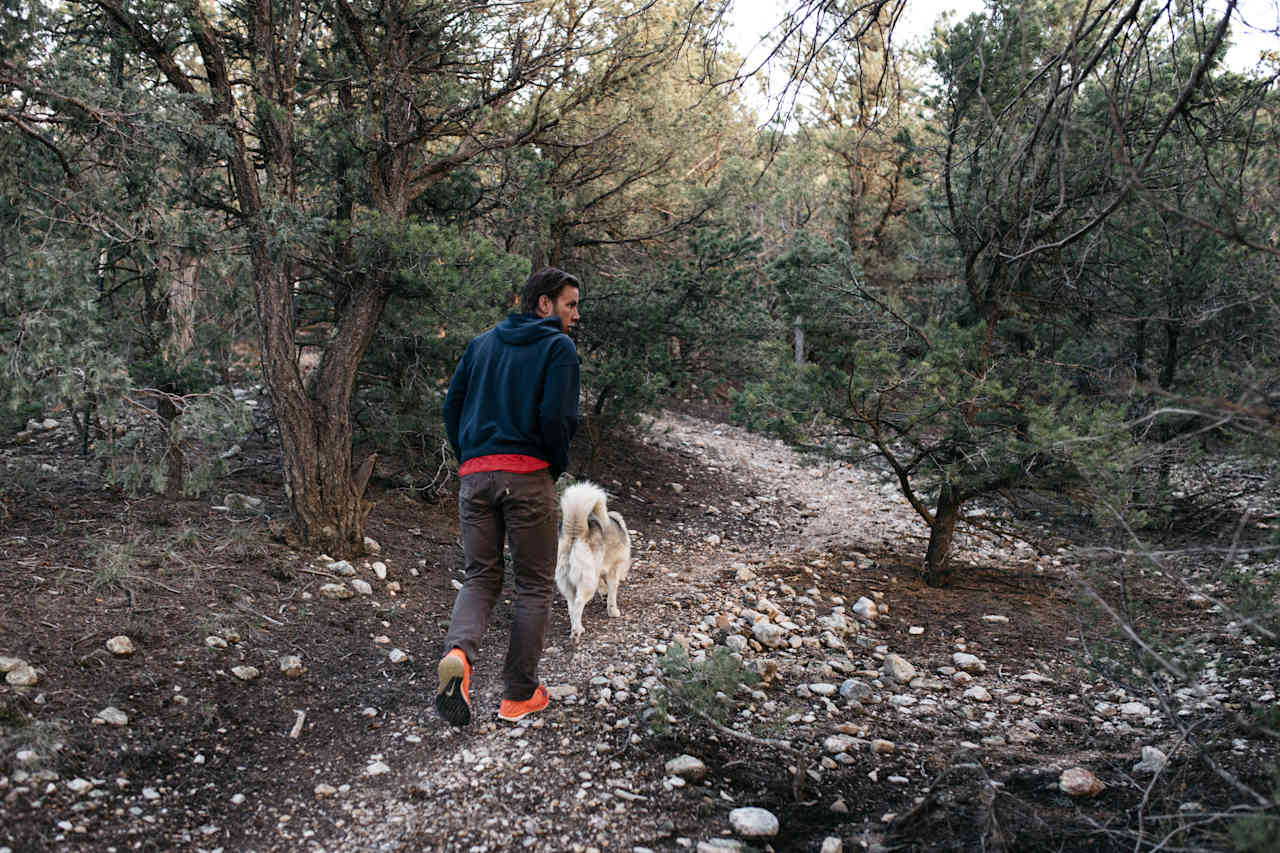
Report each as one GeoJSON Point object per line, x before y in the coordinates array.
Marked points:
{"type": "Point", "coordinates": [937, 556]}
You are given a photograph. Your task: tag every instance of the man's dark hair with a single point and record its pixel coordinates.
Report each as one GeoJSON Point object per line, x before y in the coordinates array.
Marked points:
{"type": "Point", "coordinates": [549, 281]}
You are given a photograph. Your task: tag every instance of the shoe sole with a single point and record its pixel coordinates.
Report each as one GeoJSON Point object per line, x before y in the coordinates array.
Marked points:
{"type": "Point", "coordinates": [450, 702]}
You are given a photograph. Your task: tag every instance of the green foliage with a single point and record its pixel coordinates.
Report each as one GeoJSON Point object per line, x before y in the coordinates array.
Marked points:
{"type": "Point", "coordinates": [693, 319]}
{"type": "Point", "coordinates": [1259, 832]}
{"type": "Point", "coordinates": [707, 687]}
{"type": "Point", "coordinates": [450, 287]}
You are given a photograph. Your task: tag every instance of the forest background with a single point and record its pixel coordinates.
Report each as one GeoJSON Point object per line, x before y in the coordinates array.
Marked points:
{"type": "Point", "coordinates": [1030, 259]}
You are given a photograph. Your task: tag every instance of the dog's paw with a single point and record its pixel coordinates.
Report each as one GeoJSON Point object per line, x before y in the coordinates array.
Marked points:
{"type": "Point", "coordinates": [613, 611]}
{"type": "Point", "coordinates": [576, 634]}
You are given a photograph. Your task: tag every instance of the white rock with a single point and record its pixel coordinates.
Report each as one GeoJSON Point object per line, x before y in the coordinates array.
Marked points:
{"type": "Point", "coordinates": [291, 666]}
{"type": "Point", "coordinates": [245, 673]}
{"type": "Point", "coordinates": [971, 664]}
{"type": "Point", "coordinates": [397, 656]}
{"type": "Point", "coordinates": [823, 689]}
{"type": "Point", "coordinates": [769, 635]}
{"type": "Point", "coordinates": [831, 844]}
{"type": "Point", "coordinates": [323, 790]}
{"type": "Point", "coordinates": [1153, 761]}
{"type": "Point", "coordinates": [27, 756]}
{"type": "Point", "coordinates": [150, 794]}
{"type": "Point", "coordinates": [111, 716]}
{"type": "Point", "coordinates": [371, 545]}
{"type": "Point", "coordinates": [898, 668]}
{"type": "Point", "coordinates": [836, 744]}
{"type": "Point", "coordinates": [361, 586]}
{"type": "Point", "coordinates": [995, 618]}
{"type": "Point", "coordinates": [736, 642]}
{"type": "Point", "coordinates": [1079, 782]}
{"type": "Point", "coordinates": [215, 642]}
{"type": "Point", "coordinates": [865, 608]}
{"type": "Point", "coordinates": [880, 746]}
{"type": "Point", "coordinates": [80, 786]}
{"type": "Point", "coordinates": [120, 646]}
{"type": "Point", "coordinates": [22, 675]}
{"type": "Point", "coordinates": [342, 568]}
{"type": "Point", "coordinates": [978, 693]}
{"type": "Point", "coordinates": [8, 664]}
{"type": "Point", "coordinates": [336, 590]}
{"type": "Point", "coordinates": [379, 570]}
{"type": "Point", "coordinates": [915, 631]}
{"type": "Point", "coordinates": [376, 768]}
{"type": "Point", "coordinates": [752, 822]}
{"type": "Point", "coordinates": [687, 767]}
{"type": "Point", "coordinates": [1134, 709]}
{"type": "Point", "coordinates": [745, 575]}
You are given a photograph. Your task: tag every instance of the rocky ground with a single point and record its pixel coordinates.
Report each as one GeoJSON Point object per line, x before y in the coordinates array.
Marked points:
{"type": "Point", "coordinates": [252, 711]}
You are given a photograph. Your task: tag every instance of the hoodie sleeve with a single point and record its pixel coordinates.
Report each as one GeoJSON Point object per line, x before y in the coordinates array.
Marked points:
{"type": "Point", "coordinates": [558, 412]}
{"type": "Point", "coordinates": [454, 400]}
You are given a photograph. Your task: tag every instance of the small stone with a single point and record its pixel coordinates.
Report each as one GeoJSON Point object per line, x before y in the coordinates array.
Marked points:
{"type": "Point", "coordinates": [1153, 761]}
{"type": "Point", "coordinates": [898, 668]}
{"type": "Point", "coordinates": [110, 716]}
{"type": "Point", "coordinates": [336, 591]}
{"type": "Point", "coordinates": [120, 646]}
{"type": "Point", "coordinates": [880, 746]}
{"type": "Point", "coordinates": [361, 586]}
{"type": "Point", "coordinates": [214, 642]}
{"type": "Point", "coordinates": [836, 744]}
{"type": "Point", "coordinates": [397, 656]}
{"type": "Point", "coordinates": [80, 786]}
{"type": "Point", "coordinates": [831, 844]}
{"type": "Point", "coordinates": [995, 618]}
{"type": "Point", "coordinates": [376, 768]}
{"type": "Point", "coordinates": [22, 675]}
{"type": "Point", "coordinates": [752, 822]}
{"type": "Point", "coordinates": [969, 663]}
{"type": "Point", "coordinates": [245, 673]}
{"type": "Point", "coordinates": [769, 635]}
{"type": "Point", "coordinates": [1134, 709]}
{"type": "Point", "coordinates": [324, 790]}
{"type": "Point", "coordinates": [342, 569]}
{"type": "Point", "coordinates": [687, 767]}
{"type": "Point", "coordinates": [1079, 782]}
{"type": "Point", "coordinates": [379, 570]}
{"type": "Point", "coordinates": [865, 608]}
{"type": "Point", "coordinates": [291, 666]}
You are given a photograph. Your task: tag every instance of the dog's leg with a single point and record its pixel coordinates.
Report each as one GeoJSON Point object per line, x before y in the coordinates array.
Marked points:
{"type": "Point", "coordinates": [576, 604]}
{"type": "Point", "coordinates": [612, 582]}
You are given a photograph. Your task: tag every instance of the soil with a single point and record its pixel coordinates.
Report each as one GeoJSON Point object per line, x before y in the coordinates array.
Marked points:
{"type": "Point", "coordinates": [208, 761]}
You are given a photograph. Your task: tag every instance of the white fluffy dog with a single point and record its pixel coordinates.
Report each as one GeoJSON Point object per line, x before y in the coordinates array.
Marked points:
{"type": "Point", "coordinates": [594, 546]}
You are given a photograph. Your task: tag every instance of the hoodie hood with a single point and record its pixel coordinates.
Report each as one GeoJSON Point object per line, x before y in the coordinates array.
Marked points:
{"type": "Point", "coordinates": [524, 329]}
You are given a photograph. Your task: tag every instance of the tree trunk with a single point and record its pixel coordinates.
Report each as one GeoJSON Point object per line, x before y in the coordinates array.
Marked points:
{"type": "Point", "coordinates": [175, 461]}
{"type": "Point", "coordinates": [937, 556]}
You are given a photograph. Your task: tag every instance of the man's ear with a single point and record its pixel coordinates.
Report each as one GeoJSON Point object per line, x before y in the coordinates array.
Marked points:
{"type": "Point", "coordinates": [545, 305]}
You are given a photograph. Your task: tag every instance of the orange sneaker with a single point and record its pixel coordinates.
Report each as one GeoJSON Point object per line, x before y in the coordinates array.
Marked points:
{"type": "Point", "coordinates": [453, 696]}
{"type": "Point", "coordinates": [511, 710]}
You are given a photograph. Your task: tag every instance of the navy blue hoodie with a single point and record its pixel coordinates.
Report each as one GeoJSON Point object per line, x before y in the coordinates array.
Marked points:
{"type": "Point", "coordinates": [515, 391]}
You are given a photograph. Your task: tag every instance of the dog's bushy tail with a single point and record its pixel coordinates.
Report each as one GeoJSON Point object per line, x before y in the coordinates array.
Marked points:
{"type": "Point", "coordinates": [579, 502]}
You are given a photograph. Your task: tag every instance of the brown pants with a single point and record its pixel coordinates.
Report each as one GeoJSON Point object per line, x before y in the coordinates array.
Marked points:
{"type": "Point", "coordinates": [520, 508]}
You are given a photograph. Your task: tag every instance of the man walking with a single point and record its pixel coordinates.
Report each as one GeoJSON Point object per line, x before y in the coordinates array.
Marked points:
{"type": "Point", "coordinates": [510, 413]}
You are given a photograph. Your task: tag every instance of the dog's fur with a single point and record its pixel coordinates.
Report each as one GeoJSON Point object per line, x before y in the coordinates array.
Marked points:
{"type": "Point", "coordinates": [594, 546]}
